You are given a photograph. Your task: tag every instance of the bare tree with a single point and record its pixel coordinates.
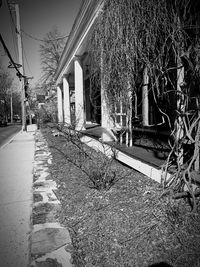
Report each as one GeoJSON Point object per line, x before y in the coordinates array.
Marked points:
{"type": "Point", "coordinates": [50, 52]}
{"type": "Point", "coordinates": [6, 82]}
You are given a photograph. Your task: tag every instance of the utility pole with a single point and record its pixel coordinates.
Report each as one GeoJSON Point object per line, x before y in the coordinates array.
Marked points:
{"type": "Point", "coordinates": [11, 108]}
{"type": "Point", "coordinates": [22, 82]}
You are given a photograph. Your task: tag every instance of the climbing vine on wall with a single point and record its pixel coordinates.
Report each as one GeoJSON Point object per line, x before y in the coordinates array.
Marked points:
{"type": "Point", "coordinates": [163, 37]}
{"type": "Point", "coordinates": [130, 35]}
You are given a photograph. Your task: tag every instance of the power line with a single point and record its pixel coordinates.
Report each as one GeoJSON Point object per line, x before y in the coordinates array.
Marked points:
{"type": "Point", "coordinates": [15, 65]}
{"type": "Point", "coordinates": [12, 23]}
{"type": "Point", "coordinates": [29, 35]}
{"type": "Point", "coordinates": [41, 40]}
{"type": "Point", "coordinates": [14, 43]}
{"type": "Point", "coordinates": [24, 54]}
{"type": "Point", "coordinates": [10, 11]}
{"type": "Point", "coordinates": [17, 32]}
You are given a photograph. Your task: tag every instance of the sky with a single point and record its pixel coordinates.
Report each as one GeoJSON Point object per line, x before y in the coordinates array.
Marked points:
{"type": "Point", "coordinates": [37, 18]}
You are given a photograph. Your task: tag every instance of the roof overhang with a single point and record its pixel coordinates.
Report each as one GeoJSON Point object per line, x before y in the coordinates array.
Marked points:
{"type": "Point", "coordinates": [75, 44]}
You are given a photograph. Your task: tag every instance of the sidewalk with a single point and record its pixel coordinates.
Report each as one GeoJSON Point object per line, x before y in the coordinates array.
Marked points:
{"type": "Point", "coordinates": [16, 165]}
{"type": "Point", "coordinates": [30, 234]}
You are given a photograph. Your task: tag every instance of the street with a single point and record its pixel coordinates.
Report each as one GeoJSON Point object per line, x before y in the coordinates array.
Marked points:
{"type": "Point", "coordinates": [6, 133]}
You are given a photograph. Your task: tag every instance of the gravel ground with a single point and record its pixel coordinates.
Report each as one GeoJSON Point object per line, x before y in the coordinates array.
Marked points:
{"type": "Point", "coordinates": [126, 222]}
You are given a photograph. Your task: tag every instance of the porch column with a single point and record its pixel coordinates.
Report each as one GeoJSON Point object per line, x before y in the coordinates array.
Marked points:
{"type": "Point", "coordinates": [66, 102]}
{"type": "Point", "coordinates": [106, 121]}
{"type": "Point", "coordinates": [60, 104]}
{"type": "Point", "coordinates": [79, 98]}
{"type": "Point", "coordinates": [105, 116]}
{"type": "Point", "coordinates": [145, 99]}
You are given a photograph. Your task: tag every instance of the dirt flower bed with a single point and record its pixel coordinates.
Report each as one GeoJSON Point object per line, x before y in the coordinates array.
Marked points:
{"type": "Point", "coordinates": [131, 223]}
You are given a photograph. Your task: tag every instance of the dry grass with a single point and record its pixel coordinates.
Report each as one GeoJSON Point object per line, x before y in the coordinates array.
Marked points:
{"type": "Point", "coordinates": [131, 224]}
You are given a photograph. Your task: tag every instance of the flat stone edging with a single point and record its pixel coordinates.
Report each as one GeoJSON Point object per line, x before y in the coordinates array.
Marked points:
{"type": "Point", "coordinates": [48, 238]}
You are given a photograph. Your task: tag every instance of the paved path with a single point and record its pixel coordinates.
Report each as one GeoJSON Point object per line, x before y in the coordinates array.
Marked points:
{"type": "Point", "coordinates": [16, 164]}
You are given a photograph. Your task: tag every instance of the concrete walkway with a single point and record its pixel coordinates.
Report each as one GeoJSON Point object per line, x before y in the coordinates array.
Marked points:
{"type": "Point", "coordinates": [16, 165]}
{"type": "Point", "coordinates": [30, 233]}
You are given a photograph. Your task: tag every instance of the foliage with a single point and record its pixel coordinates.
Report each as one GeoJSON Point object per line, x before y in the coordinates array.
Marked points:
{"type": "Point", "coordinates": [161, 37]}
{"type": "Point", "coordinates": [32, 101]}
{"type": "Point", "coordinates": [47, 113]}
{"type": "Point", "coordinates": [16, 102]}
{"type": "Point", "coordinates": [6, 82]}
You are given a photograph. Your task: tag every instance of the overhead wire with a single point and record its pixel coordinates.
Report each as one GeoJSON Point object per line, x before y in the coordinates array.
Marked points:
{"type": "Point", "coordinates": [17, 32]}
{"type": "Point", "coordinates": [27, 34]}
{"type": "Point", "coordinates": [15, 65]}
{"type": "Point", "coordinates": [10, 11]}
{"type": "Point", "coordinates": [14, 44]}
{"type": "Point", "coordinates": [24, 55]}
{"type": "Point", "coordinates": [12, 62]}
{"type": "Point", "coordinates": [42, 40]}
{"type": "Point", "coordinates": [12, 24]}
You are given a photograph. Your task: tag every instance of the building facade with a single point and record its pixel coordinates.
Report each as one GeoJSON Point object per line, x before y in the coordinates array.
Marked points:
{"type": "Point", "coordinates": [83, 104]}
{"type": "Point", "coordinates": [72, 76]}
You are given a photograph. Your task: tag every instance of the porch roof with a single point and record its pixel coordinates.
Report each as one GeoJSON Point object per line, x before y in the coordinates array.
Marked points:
{"type": "Point", "coordinates": [74, 47]}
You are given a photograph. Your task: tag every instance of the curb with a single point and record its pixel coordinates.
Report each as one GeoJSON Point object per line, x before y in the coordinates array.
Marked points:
{"type": "Point", "coordinates": [49, 240]}
{"type": "Point", "coordinates": [32, 130]}
{"type": "Point", "coordinates": [8, 142]}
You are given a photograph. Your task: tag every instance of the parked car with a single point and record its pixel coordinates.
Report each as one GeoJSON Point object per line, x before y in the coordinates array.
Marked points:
{"type": "Point", "coordinates": [16, 118]}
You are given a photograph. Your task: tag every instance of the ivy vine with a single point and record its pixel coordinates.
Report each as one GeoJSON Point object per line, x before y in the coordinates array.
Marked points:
{"type": "Point", "coordinates": [163, 37]}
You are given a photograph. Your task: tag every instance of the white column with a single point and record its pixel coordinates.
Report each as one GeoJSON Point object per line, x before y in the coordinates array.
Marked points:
{"type": "Point", "coordinates": [79, 98]}
{"type": "Point", "coordinates": [105, 116]}
{"type": "Point", "coordinates": [60, 104]}
{"type": "Point", "coordinates": [145, 99]}
{"type": "Point", "coordinates": [66, 102]}
{"type": "Point", "coordinates": [106, 121]}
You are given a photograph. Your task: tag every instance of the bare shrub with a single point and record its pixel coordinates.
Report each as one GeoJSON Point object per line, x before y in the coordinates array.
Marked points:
{"type": "Point", "coordinates": [97, 167]}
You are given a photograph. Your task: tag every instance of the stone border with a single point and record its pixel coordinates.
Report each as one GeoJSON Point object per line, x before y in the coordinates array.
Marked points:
{"type": "Point", "coordinates": [48, 238]}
